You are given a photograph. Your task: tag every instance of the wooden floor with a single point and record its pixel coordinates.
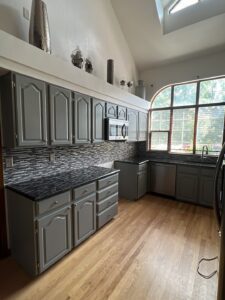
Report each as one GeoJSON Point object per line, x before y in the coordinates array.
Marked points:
{"type": "Point", "coordinates": [150, 251]}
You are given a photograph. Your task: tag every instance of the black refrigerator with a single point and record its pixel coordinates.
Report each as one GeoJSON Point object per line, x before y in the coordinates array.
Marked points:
{"type": "Point", "coordinates": [219, 209]}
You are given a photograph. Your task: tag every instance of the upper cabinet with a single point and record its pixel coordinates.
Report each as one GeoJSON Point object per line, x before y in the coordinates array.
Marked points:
{"type": "Point", "coordinates": [35, 113]}
{"type": "Point", "coordinates": [143, 126]}
{"type": "Point", "coordinates": [111, 110]}
{"type": "Point", "coordinates": [24, 111]}
{"type": "Point", "coordinates": [82, 119]}
{"type": "Point", "coordinates": [98, 121]}
{"type": "Point", "coordinates": [133, 125]}
{"type": "Point", "coordinates": [60, 116]}
{"type": "Point", "coordinates": [122, 113]}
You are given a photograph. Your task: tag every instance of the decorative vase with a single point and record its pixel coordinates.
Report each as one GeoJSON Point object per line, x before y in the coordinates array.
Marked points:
{"type": "Point", "coordinates": [110, 71]}
{"type": "Point", "coordinates": [77, 58]}
{"type": "Point", "coordinates": [140, 89]}
{"type": "Point", "coordinates": [39, 34]}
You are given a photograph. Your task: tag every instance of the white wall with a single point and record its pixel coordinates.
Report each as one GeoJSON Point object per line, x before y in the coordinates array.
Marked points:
{"type": "Point", "coordinates": [203, 67]}
{"type": "Point", "coordinates": [90, 24]}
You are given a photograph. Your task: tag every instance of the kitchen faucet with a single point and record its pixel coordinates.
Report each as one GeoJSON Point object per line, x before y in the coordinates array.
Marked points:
{"type": "Point", "coordinates": [205, 151]}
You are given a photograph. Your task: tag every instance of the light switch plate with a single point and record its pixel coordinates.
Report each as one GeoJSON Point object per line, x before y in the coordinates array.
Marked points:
{"type": "Point", "coordinates": [26, 13]}
{"type": "Point", "coordinates": [9, 162]}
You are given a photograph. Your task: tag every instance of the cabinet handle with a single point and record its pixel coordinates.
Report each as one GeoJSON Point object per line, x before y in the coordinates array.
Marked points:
{"type": "Point", "coordinates": [85, 191]}
{"type": "Point", "coordinates": [109, 192]}
{"type": "Point", "coordinates": [109, 182]}
{"type": "Point", "coordinates": [56, 202]}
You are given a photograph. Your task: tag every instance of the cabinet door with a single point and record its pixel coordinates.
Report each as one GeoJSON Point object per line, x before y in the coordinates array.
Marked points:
{"type": "Point", "coordinates": [98, 121]}
{"type": "Point", "coordinates": [143, 125]}
{"type": "Point", "coordinates": [133, 125]}
{"type": "Point", "coordinates": [142, 184]}
{"type": "Point", "coordinates": [60, 116]}
{"type": "Point", "coordinates": [111, 110]}
{"type": "Point", "coordinates": [82, 119]}
{"type": "Point", "coordinates": [122, 113]}
{"type": "Point", "coordinates": [84, 219]}
{"type": "Point", "coordinates": [163, 179]}
{"type": "Point", "coordinates": [30, 97]}
{"type": "Point", "coordinates": [187, 187]}
{"type": "Point", "coordinates": [206, 188]}
{"type": "Point", "coordinates": [54, 236]}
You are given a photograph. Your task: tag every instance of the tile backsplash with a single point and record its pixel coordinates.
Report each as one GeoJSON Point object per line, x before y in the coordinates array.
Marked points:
{"type": "Point", "coordinates": [35, 162]}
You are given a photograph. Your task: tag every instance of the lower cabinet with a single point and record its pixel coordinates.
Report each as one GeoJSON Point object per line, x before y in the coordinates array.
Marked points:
{"type": "Point", "coordinates": [54, 237]}
{"type": "Point", "coordinates": [42, 232]}
{"type": "Point", "coordinates": [163, 179]}
{"type": "Point", "coordinates": [187, 183]}
{"type": "Point", "coordinates": [133, 179]}
{"type": "Point", "coordinates": [84, 219]}
{"type": "Point", "coordinates": [107, 199]}
{"type": "Point", "coordinates": [195, 184]}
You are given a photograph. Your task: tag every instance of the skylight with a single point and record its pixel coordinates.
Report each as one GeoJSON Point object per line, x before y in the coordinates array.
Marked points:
{"type": "Point", "coordinates": [181, 4]}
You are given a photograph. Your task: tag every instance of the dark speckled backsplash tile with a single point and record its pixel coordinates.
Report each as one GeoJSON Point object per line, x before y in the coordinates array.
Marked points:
{"type": "Point", "coordinates": [34, 162]}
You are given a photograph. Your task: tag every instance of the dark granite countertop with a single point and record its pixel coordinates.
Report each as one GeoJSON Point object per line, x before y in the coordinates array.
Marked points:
{"type": "Point", "coordinates": [141, 160]}
{"type": "Point", "coordinates": [187, 163]}
{"type": "Point", "coordinates": [134, 160]}
{"type": "Point", "coordinates": [45, 187]}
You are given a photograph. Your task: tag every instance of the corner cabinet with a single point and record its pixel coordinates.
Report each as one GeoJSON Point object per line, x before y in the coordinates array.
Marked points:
{"type": "Point", "coordinates": [98, 121]}
{"type": "Point", "coordinates": [24, 111]}
{"type": "Point", "coordinates": [60, 116]}
{"type": "Point", "coordinates": [82, 119]}
{"type": "Point", "coordinates": [132, 116]}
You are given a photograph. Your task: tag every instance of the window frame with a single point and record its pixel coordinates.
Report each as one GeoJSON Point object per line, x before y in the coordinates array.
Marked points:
{"type": "Point", "coordinates": [171, 108]}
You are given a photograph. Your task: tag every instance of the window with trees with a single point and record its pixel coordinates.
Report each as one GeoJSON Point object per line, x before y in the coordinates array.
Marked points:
{"type": "Point", "coordinates": [185, 117]}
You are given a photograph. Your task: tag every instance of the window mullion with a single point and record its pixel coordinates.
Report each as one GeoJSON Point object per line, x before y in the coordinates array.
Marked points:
{"type": "Point", "coordinates": [196, 117]}
{"type": "Point", "coordinates": [171, 119]}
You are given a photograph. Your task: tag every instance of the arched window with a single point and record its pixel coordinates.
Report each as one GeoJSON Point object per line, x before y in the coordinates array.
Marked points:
{"type": "Point", "coordinates": [185, 117]}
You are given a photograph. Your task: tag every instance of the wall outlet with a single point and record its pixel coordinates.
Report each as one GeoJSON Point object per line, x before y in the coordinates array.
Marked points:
{"type": "Point", "coordinates": [9, 162]}
{"type": "Point", "coordinates": [52, 157]}
{"type": "Point", "coordinates": [26, 13]}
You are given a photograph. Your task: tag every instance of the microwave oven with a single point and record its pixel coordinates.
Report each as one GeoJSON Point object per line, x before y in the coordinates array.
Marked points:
{"type": "Point", "coordinates": [116, 130]}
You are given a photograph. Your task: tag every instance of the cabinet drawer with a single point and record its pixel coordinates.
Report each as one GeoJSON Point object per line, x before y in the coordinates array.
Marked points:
{"type": "Point", "coordinates": [53, 202]}
{"type": "Point", "coordinates": [107, 192]}
{"type": "Point", "coordinates": [105, 182]}
{"type": "Point", "coordinates": [188, 170]}
{"type": "Point", "coordinates": [84, 191]}
{"type": "Point", "coordinates": [107, 215]}
{"type": "Point", "coordinates": [107, 203]}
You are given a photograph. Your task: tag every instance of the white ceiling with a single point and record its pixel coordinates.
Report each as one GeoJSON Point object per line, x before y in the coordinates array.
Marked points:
{"type": "Point", "coordinates": [150, 48]}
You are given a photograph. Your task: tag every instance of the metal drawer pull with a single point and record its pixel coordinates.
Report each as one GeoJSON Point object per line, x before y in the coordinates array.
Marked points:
{"type": "Point", "coordinates": [210, 275]}
{"type": "Point", "coordinates": [56, 202]}
{"type": "Point", "coordinates": [109, 192]}
{"type": "Point", "coordinates": [85, 191]}
{"type": "Point", "coordinates": [109, 182]}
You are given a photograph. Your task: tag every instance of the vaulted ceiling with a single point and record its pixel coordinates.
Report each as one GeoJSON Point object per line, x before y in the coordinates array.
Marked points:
{"type": "Point", "coordinates": [149, 44]}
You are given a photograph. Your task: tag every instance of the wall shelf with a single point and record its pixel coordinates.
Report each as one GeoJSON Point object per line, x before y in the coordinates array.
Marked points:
{"type": "Point", "coordinates": [19, 56]}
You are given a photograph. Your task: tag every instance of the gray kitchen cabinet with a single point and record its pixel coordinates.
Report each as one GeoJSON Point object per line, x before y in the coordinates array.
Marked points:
{"type": "Point", "coordinates": [206, 187]}
{"type": "Point", "coordinates": [122, 113]}
{"type": "Point", "coordinates": [98, 121]}
{"type": "Point", "coordinates": [132, 179]}
{"type": "Point", "coordinates": [163, 179]}
{"type": "Point", "coordinates": [24, 111]}
{"type": "Point", "coordinates": [84, 218]}
{"type": "Point", "coordinates": [107, 199]}
{"type": "Point", "coordinates": [195, 184]}
{"type": "Point", "coordinates": [132, 116]}
{"type": "Point", "coordinates": [187, 187]}
{"type": "Point", "coordinates": [54, 237]}
{"type": "Point", "coordinates": [82, 119]}
{"type": "Point", "coordinates": [142, 126]}
{"type": "Point", "coordinates": [111, 110]}
{"type": "Point", "coordinates": [60, 116]}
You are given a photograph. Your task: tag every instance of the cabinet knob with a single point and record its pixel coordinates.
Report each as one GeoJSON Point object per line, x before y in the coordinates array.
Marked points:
{"type": "Point", "coordinates": [56, 202]}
